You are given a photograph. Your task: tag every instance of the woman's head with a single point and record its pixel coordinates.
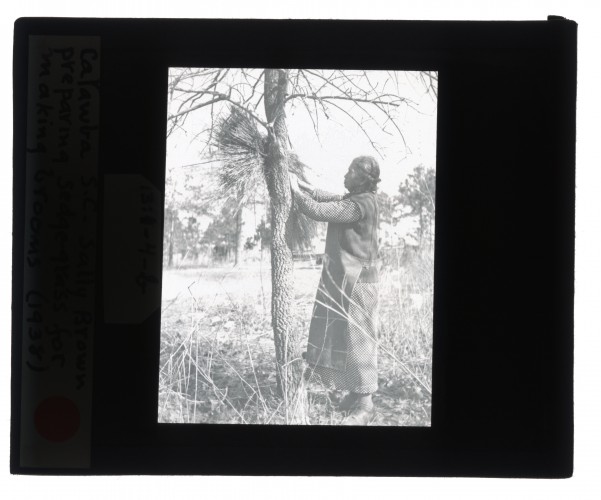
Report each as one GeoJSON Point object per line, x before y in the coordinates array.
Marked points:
{"type": "Point", "coordinates": [363, 175]}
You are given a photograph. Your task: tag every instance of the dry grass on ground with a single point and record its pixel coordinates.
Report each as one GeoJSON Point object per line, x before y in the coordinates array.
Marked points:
{"type": "Point", "coordinates": [217, 353]}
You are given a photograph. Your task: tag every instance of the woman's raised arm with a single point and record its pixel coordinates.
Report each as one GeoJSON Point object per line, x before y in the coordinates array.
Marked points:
{"type": "Point", "coordinates": [343, 211]}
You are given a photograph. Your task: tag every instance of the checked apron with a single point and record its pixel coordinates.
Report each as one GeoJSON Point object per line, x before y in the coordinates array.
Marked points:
{"type": "Point", "coordinates": [350, 257]}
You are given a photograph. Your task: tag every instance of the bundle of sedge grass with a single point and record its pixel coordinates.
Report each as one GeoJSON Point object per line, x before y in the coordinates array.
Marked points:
{"type": "Point", "coordinates": [241, 150]}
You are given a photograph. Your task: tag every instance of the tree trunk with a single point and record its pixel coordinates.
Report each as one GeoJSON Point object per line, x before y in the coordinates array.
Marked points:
{"type": "Point", "coordinates": [238, 236]}
{"type": "Point", "coordinates": [421, 226]}
{"type": "Point", "coordinates": [289, 363]}
{"type": "Point", "coordinates": [170, 262]}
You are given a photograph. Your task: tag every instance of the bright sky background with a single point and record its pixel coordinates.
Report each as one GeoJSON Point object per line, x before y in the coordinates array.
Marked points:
{"type": "Point", "coordinates": [340, 139]}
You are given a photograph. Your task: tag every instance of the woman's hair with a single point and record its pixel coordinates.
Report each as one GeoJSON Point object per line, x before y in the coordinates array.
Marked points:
{"type": "Point", "coordinates": [370, 169]}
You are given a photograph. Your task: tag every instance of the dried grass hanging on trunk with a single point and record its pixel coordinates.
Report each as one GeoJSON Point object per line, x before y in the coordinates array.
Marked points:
{"type": "Point", "coordinates": [241, 149]}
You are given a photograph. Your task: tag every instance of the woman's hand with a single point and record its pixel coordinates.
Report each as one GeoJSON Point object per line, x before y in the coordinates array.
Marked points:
{"type": "Point", "coordinates": [305, 185]}
{"type": "Point", "coordinates": [294, 183]}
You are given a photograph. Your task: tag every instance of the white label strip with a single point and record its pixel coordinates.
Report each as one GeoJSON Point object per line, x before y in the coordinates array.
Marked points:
{"type": "Point", "coordinates": [60, 251]}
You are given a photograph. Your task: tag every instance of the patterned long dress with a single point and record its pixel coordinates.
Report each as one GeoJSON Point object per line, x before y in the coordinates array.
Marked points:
{"type": "Point", "coordinates": [360, 370]}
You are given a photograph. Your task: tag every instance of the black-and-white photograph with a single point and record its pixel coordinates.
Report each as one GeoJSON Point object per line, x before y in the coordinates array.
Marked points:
{"type": "Point", "coordinates": [298, 247]}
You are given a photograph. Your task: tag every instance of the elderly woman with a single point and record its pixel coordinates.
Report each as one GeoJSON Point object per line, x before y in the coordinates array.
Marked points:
{"type": "Point", "coordinates": [342, 349]}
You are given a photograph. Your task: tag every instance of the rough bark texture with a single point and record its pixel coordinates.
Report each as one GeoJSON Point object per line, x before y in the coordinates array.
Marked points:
{"type": "Point", "coordinates": [290, 367]}
{"type": "Point", "coordinates": [170, 263]}
{"type": "Point", "coordinates": [239, 242]}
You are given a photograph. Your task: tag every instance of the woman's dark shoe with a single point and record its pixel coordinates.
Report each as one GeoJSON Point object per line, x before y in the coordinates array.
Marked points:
{"type": "Point", "coordinates": [348, 403]}
{"type": "Point", "coordinates": [353, 400]}
{"type": "Point", "coordinates": [360, 414]}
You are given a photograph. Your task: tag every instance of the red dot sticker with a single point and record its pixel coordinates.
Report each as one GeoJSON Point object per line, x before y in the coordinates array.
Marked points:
{"type": "Point", "coordinates": [57, 418]}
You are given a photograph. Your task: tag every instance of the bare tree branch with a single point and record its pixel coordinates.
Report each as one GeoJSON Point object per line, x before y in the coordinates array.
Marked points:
{"type": "Point", "coordinates": [254, 88]}
{"type": "Point", "coordinates": [375, 101]}
{"type": "Point", "coordinates": [346, 98]}
{"type": "Point", "coordinates": [314, 92]}
{"type": "Point", "coordinates": [220, 97]}
{"type": "Point", "coordinates": [374, 97]}
{"type": "Point", "coordinates": [194, 108]}
{"type": "Point", "coordinates": [360, 125]}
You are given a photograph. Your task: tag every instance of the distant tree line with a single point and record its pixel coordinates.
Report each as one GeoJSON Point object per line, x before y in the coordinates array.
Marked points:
{"type": "Point", "coordinates": [222, 238]}
{"type": "Point", "coordinates": [415, 198]}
